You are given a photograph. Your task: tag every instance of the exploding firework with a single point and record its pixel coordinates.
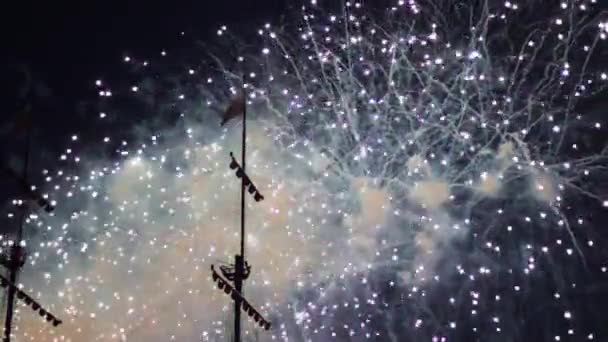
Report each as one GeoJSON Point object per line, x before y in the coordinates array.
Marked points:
{"type": "Point", "coordinates": [428, 172]}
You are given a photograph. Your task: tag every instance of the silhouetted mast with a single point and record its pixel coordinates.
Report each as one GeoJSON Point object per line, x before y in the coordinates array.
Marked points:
{"type": "Point", "coordinates": [15, 259]}
{"type": "Point", "coordinates": [241, 269]}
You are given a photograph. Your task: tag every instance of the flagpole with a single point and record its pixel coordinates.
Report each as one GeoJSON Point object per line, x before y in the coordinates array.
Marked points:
{"type": "Point", "coordinates": [17, 251]}
{"type": "Point", "coordinates": [244, 149]}
{"type": "Point", "coordinates": [239, 260]}
{"type": "Point", "coordinates": [240, 272]}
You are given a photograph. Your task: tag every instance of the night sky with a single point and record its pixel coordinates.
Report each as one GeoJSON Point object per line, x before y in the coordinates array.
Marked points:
{"type": "Point", "coordinates": [67, 46]}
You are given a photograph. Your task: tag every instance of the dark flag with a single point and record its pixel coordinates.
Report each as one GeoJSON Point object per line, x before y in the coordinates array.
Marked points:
{"type": "Point", "coordinates": [235, 109]}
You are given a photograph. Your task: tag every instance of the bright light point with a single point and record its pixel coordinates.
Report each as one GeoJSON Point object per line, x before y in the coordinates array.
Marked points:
{"type": "Point", "coordinates": [384, 145]}
{"type": "Point", "coordinates": [474, 55]}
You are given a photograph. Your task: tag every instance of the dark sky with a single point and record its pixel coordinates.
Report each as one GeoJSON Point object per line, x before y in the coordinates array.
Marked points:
{"type": "Point", "coordinates": [66, 45]}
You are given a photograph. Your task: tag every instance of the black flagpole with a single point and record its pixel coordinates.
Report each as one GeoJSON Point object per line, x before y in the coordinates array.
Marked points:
{"type": "Point", "coordinates": [239, 260]}
{"type": "Point", "coordinates": [240, 272]}
{"type": "Point", "coordinates": [16, 255]}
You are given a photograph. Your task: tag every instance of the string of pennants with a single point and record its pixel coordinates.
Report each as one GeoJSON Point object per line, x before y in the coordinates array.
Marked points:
{"type": "Point", "coordinates": [29, 301]}
{"type": "Point", "coordinates": [223, 284]}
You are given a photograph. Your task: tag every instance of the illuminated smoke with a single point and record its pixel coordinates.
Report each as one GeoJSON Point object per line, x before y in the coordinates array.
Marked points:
{"type": "Point", "coordinates": [377, 142]}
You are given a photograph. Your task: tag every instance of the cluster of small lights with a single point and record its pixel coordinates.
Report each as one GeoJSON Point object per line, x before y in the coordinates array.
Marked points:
{"type": "Point", "coordinates": [380, 147]}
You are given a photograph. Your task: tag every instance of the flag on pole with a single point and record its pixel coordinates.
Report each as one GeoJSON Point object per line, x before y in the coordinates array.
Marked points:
{"type": "Point", "coordinates": [235, 109]}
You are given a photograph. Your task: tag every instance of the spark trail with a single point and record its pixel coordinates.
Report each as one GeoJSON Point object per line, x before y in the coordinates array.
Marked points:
{"type": "Point", "coordinates": [428, 170]}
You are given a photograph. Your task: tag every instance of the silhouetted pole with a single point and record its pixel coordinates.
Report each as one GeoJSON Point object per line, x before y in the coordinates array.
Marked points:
{"type": "Point", "coordinates": [16, 255]}
{"type": "Point", "coordinates": [238, 284]}
{"type": "Point", "coordinates": [239, 260]}
{"type": "Point", "coordinates": [240, 272]}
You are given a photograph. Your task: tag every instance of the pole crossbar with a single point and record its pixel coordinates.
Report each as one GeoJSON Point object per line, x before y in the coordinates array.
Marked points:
{"type": "Point", "coordinates": [29, 301]}
{"type": "Point", "coordinates": [224, 284]}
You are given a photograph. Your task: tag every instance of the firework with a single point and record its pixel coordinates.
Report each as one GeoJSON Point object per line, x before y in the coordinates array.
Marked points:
{"type": "Point", "coordinates": [428, 174]}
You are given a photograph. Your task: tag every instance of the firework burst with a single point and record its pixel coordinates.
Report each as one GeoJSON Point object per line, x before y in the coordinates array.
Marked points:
{"type": "Point", "coordinates": [428, 170]}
